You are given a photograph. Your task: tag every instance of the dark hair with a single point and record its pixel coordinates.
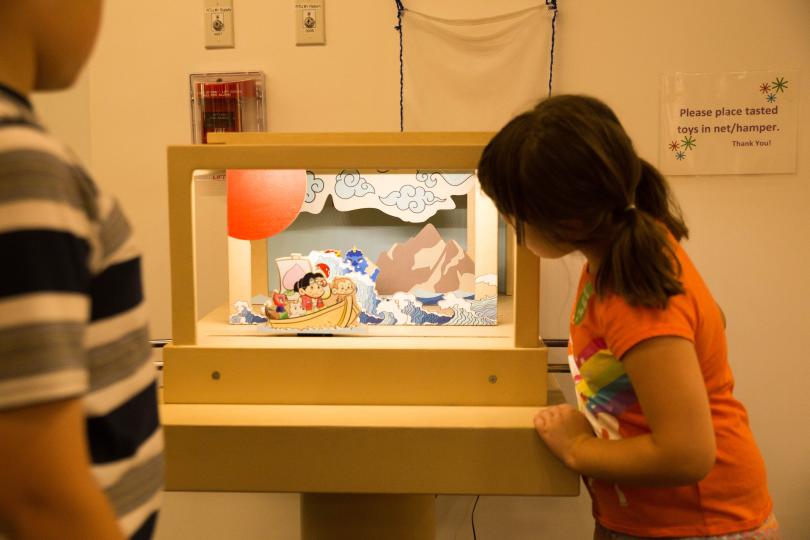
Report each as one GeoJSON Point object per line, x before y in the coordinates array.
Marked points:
{"type": "Point", "coordinates": [305, 281]}
{"type": "Point", "coordinates": [568, 169]}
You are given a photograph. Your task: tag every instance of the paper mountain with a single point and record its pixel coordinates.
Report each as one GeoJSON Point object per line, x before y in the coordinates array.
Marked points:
{"type": "Point", "coordinates": [425, 263]}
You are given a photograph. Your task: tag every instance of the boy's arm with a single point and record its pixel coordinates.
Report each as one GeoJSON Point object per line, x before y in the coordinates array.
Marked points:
{"type": "Point", "coordinates": [670, 388]}
{"type": "Point", "coordinates": [47, 490]}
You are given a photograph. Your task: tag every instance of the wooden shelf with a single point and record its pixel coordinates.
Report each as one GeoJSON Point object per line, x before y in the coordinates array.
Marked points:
{"type": "Point", "coordinates": [361, 449]}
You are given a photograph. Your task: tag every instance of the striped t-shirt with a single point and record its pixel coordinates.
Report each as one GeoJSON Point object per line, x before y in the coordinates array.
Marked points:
{"type": "Point", "coordinates": [72, 319]}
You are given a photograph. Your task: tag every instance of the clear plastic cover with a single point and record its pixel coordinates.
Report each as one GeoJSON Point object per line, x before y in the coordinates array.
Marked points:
{"type": "Point", "coordinates": [226, 102]}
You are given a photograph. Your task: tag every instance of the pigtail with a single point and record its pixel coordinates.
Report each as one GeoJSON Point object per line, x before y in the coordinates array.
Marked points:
{"type": "Point", "coordinates": [641, 265]}
{"type": "Point", "coordinates": [654, 197]}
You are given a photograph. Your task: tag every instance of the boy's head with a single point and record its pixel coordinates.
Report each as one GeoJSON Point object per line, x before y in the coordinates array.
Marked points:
{"type": "Point", "coordinates": [50, 40]}
{"type": "Point", "coordinates": [309, 285]}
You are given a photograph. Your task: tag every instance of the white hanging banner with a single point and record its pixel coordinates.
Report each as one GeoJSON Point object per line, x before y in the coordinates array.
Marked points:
{"type": "Point", "coordinates": [729, 123]}
{"type": "Point", "coordinates": [474, 74]}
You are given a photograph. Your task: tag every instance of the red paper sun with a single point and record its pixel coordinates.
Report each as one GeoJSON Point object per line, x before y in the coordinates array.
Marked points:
{"type": "Point", "coordinates": [262, 203]}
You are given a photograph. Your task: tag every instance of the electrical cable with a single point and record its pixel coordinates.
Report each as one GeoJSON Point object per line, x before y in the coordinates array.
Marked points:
{"type": "Point", "coordinates": [398, 28]}
{"type": "Point", "coordinates": [552, 5]}
{"type": "Point", "coordinates": [472, 517]}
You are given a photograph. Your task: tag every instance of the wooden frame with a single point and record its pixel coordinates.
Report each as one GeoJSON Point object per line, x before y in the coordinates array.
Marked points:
{"type": "Point", "coordinates": [507, 367]}
{"type": "Point", "coordinates": [334, 417]}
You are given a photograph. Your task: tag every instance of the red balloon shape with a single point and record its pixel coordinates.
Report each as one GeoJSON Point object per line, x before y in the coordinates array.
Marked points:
{"type": "Point", "coordinates": [262, 203]}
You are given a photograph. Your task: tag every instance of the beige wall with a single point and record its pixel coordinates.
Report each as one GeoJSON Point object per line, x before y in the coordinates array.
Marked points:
{"type": "Point", "coordinates": [749, 232]}
{"type": "Point", "coordinates": [68, 115]}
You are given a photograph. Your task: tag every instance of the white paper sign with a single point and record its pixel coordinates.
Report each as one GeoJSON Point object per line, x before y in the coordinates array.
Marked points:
{"type": "Point", "coordinates": [729, 123]}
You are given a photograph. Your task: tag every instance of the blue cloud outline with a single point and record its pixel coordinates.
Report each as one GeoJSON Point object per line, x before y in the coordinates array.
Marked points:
{"type": "Point", "coordinates": [350, 184]}
{"type": "Point", "coordinates": [412, 198]}
{"type": "Point", "coordinates": [315, 185]}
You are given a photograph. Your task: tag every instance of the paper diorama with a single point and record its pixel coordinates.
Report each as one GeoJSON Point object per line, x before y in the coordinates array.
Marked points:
{"type": "Point", "coordinates": [422, 279]}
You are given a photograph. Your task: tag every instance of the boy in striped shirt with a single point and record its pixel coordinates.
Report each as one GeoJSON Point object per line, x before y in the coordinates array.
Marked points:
{"type": "Point", "coordinates": [81, 451]}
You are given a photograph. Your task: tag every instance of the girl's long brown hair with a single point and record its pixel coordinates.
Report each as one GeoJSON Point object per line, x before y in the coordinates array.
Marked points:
{"type": "Point", "coordinates": [568, 169]}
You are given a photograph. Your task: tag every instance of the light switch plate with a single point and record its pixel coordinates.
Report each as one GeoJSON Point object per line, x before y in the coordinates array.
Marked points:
{"type": "Point", "coordinates": [218, 24]}
{"type": "Point", "coordinates": [310, 22]}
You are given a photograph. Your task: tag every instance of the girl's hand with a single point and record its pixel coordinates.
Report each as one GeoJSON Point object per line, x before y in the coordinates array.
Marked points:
{"type": "Point", "coordinates": [562, 428]}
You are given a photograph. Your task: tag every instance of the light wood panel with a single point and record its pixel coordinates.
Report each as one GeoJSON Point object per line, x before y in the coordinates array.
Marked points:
{"type": "Point", "coordinates": [361, 449]}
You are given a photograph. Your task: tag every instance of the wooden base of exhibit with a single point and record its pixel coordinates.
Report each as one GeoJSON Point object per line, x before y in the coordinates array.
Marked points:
{"type": "Point", "coordinates": [367, 517]}
{"type": "Point", "coordinates": [361, 449]}
{"type": "Point", "coordinates": [363, 471]}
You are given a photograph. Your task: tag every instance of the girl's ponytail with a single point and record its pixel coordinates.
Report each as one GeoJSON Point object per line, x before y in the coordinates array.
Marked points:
{"type": "Point", "coordinates": [641, 265]}
{"type": "Point", "coordinates": [654, 197]}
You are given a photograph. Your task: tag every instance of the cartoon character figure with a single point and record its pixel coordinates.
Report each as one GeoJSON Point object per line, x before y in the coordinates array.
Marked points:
{"type": "Point", "coordinates": [343, 287]}
{"type": "Point", "coordinates": [310, 288]}
{"type": "Point", "coordinates": [277, 307]}
{"type": "Point", "coordinates": [327, 290]}
{"type": "Point", "coordinates": [360, 264]}
{"type": "Point", "coordinates": [294, 307]}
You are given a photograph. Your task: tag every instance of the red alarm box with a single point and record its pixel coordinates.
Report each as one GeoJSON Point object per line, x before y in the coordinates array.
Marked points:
{"type": "Point", "coordinates": [226, 102]}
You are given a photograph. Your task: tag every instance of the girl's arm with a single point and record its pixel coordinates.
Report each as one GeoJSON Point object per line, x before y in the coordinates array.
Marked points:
{"type": "Point", "coordinates": [680, 449]}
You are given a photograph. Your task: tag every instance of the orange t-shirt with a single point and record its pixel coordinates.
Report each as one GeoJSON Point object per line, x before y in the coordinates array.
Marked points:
{"type": "Point", "coordinates": [734, 496]}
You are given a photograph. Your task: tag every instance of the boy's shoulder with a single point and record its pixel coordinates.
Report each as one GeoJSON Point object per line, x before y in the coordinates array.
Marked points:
{"type": "Point", "coordinates": [36, 166]}
{"type": "Point", "coordinates": [23, 136]}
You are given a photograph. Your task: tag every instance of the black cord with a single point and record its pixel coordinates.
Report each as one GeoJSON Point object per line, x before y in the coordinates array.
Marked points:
{"type": "Point", "coordinates": [398, 28]}
{"type": "Point", "coordinates": [472, 517]}
{"type": "Point", "coordinates": [552, 5]}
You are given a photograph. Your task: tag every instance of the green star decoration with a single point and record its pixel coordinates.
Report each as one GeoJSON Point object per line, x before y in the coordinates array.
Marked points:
{"type": "Point", "coordinates": [688, 142]}
{"type": "Point", "coordinates": [779, 85]}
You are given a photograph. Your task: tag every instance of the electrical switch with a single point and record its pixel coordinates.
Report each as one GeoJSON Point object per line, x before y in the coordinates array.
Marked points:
{"type": "Point", "coordinates": [309, 22]}
{"type": "Point", "coordinates": [218, 24]}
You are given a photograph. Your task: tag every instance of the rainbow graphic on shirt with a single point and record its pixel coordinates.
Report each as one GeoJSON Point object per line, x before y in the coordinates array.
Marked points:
{"type": "Point", "coordinates": [603, 388]}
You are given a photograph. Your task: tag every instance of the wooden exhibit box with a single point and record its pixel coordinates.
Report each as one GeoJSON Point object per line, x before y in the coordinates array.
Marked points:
{"type": "Point", "coordinates": [212, 361]}
{"type": "Point", "coordinates": [408, 396]}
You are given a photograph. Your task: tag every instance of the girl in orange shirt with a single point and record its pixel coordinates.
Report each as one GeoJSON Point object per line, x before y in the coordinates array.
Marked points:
{"type": "Point", "coordinates": [665, 448]}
